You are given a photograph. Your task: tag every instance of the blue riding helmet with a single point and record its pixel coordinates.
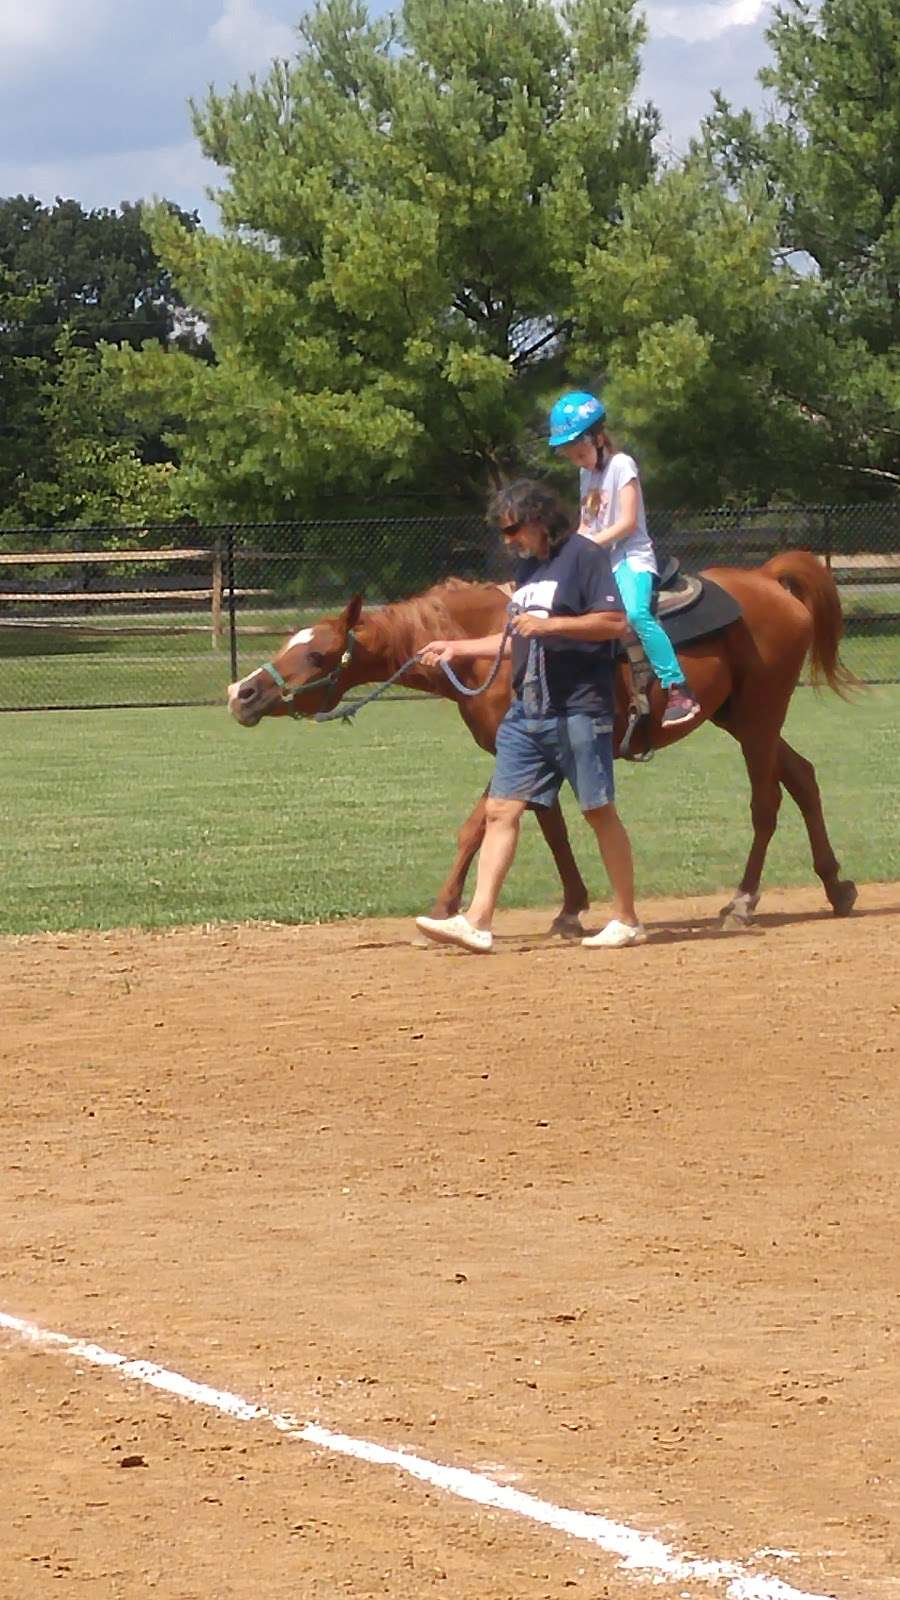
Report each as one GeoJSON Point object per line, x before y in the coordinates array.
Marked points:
{"type": "Point", "coordinates": [572, 415]}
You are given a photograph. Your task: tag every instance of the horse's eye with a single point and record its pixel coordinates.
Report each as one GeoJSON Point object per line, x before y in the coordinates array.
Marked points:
{"type": "Point", "coordinates": [315, 658]}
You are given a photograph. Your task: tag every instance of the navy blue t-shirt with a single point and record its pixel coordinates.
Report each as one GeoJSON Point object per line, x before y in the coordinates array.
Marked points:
{"type": "Point", "coordinates": [577, 675]}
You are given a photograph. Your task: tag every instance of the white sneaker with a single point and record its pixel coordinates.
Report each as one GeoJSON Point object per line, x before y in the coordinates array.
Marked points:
{"type": "Point", "coordinates": [456, 930]}
{"type": "Point", "coordinates": [616, 935]}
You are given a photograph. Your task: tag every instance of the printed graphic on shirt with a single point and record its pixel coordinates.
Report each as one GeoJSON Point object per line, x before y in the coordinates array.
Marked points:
{"type": "Point", "coordinates": [596, 505]}
{"type": "Point", "coordinates": [540, 597]}
{"type": "Point", "coordinates": [537, 597]}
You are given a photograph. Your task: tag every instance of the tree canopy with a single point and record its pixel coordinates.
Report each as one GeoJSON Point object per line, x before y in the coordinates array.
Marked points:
{"type": "Point", "coordinates": [830, 159]}
{"type": "Point", "coordinates": [434, 222]}
{"type": "Point", "coordinates": [94, 273]}
{"type": "Point", "coordinates": [71, 280]}
{"type": "Point", "coordinates": [405, 207]}
{"type": "Point", "coordinates": [20, 424]}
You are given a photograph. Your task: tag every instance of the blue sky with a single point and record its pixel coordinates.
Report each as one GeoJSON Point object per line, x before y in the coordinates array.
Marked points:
{"type": "Point", "coordinates": [93, 93]}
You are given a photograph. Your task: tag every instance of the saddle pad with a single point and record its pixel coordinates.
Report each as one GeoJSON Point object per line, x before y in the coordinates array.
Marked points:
{"type": "Point", "coordinates": [714, 609]}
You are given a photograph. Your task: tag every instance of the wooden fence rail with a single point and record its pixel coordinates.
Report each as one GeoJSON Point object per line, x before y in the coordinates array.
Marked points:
{"type": "Point", "coordinates": [213, 593]}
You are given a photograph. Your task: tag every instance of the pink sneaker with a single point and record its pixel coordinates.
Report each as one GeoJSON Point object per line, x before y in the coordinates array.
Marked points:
{"type": "Point", "coordinates": [681, 706]}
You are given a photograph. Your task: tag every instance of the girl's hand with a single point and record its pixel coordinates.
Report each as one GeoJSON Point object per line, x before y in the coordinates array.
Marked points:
{"type": "Point", "coordinates": [437, 651]}
{"type": "Point", "coordinates": [530, 626]}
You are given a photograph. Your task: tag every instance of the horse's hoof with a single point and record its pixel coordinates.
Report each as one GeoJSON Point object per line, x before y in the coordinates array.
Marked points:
{"type": "Point", "coordinates": [843, 897]}
{"type": "Point", "coordinates": [737, 916]}
{"type": "Point", "coordinates": [567, 925]}
{"type": "Point", "coordinates": [739, 911]}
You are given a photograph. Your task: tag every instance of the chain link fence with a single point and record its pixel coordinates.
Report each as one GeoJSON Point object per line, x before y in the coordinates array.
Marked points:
{"type": "Point", "coordinates": [108, 617]}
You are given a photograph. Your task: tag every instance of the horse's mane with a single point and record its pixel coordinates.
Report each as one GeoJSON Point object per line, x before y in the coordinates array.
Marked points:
{"type": "Point", "coordinates": [405, 626]}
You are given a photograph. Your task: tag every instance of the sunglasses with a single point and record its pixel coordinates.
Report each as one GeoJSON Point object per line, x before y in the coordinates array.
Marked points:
{"type": "Point", "coordinates": [511, 528]}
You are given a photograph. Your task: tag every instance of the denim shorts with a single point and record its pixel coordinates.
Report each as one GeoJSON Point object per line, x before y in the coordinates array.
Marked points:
{"type": "Point", "coordinates": [535, 755]}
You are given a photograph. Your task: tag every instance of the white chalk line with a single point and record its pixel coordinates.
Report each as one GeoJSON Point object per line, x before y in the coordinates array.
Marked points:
{"type": "Point", "coordinates": [637, 1553]}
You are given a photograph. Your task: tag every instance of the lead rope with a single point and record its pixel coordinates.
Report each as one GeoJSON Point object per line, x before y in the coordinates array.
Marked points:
{"type": "Point", "coordinates": [348, 709]}
{"type": "Point", "coordinates": [482, 688]}
{"type": "Point", "coordinates": [351, 708]}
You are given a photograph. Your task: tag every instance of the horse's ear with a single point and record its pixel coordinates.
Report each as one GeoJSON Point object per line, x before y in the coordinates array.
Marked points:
{"type": "Point", "coordinates": [353, 611]}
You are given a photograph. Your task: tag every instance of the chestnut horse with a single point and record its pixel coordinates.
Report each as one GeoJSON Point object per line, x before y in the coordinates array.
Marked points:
{"type": "Point", "coordinates": [743, 676]}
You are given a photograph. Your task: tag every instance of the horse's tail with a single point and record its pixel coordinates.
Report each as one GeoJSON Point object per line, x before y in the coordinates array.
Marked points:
{"type": "Point", "coordinates": [815, 588]}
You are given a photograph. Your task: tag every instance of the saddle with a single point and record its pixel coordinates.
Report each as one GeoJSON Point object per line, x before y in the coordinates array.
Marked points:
{"type": "Point", "coordinates": [675, 590]}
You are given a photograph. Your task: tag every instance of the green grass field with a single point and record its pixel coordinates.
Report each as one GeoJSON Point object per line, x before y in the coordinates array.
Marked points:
{"type": "Point", "coordinates": [159, 817]}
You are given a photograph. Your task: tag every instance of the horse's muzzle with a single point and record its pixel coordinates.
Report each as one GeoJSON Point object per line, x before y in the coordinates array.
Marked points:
{"type": "Point", "coordinates": [246, 701]}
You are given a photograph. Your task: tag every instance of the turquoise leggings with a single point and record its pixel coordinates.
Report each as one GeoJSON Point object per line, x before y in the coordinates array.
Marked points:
{"type": "Point", "coordinates": [636, 589]}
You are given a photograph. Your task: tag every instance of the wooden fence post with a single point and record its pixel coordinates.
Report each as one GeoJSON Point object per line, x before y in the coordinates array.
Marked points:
{"type": "Point", "coordinates": [217, 594]}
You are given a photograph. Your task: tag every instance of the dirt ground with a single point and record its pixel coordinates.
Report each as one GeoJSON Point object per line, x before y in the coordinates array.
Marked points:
{"type": "Point", "coordinates": [621, 1228]}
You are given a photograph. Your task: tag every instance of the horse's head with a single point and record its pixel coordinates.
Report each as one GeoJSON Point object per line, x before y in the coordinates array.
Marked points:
{"type": "Point", "coordinates": [303, 677]}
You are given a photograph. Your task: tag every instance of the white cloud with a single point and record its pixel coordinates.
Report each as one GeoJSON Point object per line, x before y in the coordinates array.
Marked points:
{"type": "Point", "coordinates": [94, 93]}
{"type": "Point", "coordinates": [706, 19]}
{"type": "Point", "coordinates": [251, 38]}
{"type": "Point", "coordinates": [679, 75]}
{"type": "Point", "coordinates": [32, 30]}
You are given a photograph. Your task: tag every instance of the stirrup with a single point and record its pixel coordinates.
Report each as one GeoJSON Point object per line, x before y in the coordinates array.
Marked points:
{"type": "Point", "coordinates": [638, 711]}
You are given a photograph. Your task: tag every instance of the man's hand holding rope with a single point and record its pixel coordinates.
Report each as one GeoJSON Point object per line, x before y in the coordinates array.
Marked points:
{"type": "Point", "coordinates": [440, 652]}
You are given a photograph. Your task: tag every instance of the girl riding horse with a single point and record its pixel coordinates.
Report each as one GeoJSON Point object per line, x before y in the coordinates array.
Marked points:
{"type": "Point", "coordinates": [612, 515]}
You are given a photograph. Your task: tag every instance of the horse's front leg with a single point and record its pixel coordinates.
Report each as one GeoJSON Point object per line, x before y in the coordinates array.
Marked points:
{"type": "Point", "coordinates": [761, 757]}
{"type": "Point", "coordinates": [553, 826]}
{"type": "Point", "coordinates": [575, 895]}
{"type": "Point", "coordinates": [468, 843]}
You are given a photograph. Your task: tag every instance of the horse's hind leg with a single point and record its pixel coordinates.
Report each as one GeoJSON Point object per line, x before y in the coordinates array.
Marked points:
{"type": "Point", "coordinates": [799, 778]}
{"type": "Point", "coordinates": [575, 895]}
